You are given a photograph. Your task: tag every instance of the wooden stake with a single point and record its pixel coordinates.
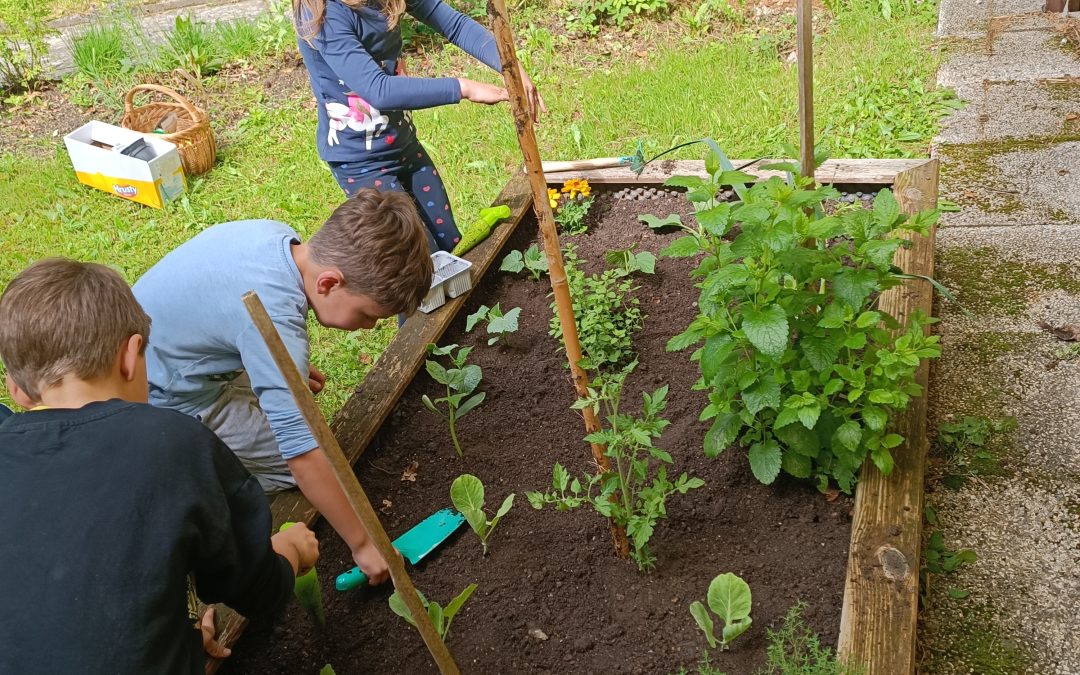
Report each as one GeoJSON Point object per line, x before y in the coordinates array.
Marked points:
{"type": "Point", "coordinates": [504, 40]}
{"type": "Point", "coordinates": [305, 401]}
{"type": "Point", "coordinates": [805, 52]}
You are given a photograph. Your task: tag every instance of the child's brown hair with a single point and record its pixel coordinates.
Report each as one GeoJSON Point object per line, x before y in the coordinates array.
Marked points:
{"type": "Point", "coordinates": [60, 317]}
{"type": "Point", "coordinates": [379, 244]}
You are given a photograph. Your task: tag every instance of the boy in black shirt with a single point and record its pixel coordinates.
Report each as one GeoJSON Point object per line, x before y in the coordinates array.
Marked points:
{"type": "Point", "coordinates": [107, 503]}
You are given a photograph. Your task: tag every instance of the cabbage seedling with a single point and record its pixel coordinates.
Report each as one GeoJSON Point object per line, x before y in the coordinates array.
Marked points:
{"type": "Point", "coordinates": [440, 616]}
{"type": "Point", "coordinates": [460, 381]}
{"type": "Point", "coordinates": [729, 599]}
{"type": "Point", "coordinates": [467, 493]}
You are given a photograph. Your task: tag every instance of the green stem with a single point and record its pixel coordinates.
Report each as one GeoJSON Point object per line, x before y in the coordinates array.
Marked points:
{"type": "Point", "coordinates": [453, 433]}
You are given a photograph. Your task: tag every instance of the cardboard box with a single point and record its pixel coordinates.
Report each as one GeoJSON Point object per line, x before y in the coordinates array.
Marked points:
{"type": "Point", "coordinates": [95, 151]}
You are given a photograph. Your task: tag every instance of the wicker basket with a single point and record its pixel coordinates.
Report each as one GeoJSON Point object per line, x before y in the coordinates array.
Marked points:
{"type": "Point", "coordinates": [193, 137]}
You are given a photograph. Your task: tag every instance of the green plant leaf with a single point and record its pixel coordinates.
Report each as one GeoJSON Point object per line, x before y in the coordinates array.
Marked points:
{"type": "Point", "coordinates": [683, 247]}
{"type": "Point", "coordinates": [689, 182]}
{"type": "Point", "coordinates": [722, 434]}
{"type": "Point", "coordinates": [398, 606]}
{"type": "Point", "coordinates": [658, 223]}
{"type": "Point", "coordinates": [809, 415]}
{"type": "Point", "coordinates": [436, 371]}
{"type": "Point", "coordinates": [505, 508]}
{"type": "Point", "coordinates": [471, 375]}
{"type": "Point", "coordinates": [767, 330]}
{"type": "Point", "coordinates": [848, 435]}
{"type": "Point", "coordinates": [729, 597]}
{"type": "Point", "coordinates": [435, 613]}
{"type": "Point", "coordinates": [764, 394]}
{"type": "Point", "coordinates": [472, 402]}
{"type": "Point", "coordinates": [886, 209]}
{"type": "Point", "coordinates": [456, 604]}
{"type": "Point", "coordinates": [765, 459]}
{"type": "Point", "coordinates": [704, 621]}
{"type": "Point", "coordinates": [734, 630]}
{"type": "Point", "coordinates": [855, 286]}
{"type": "Point", "coordinates": [477, 316]}
{"type": "Point", "coordinates": [875, 418]}
{"type": "Point", "coordinates": [796, 464]}
{"type": "Point", "coordinates": [467, 493]}
{"type": "Point", "coordinates": [883, 460]}
{"type": "Point", "coordinates": [507, 323]}
{"type": "Point", "coordinates": [513, 262]}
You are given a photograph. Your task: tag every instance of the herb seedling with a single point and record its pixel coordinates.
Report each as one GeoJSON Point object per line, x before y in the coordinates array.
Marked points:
{"type": "Point", "coordinates": [607, 311]}
{"type": "Point", "coordinates": [803, 367]}
{"type": "Point", "coordinates": [634, 492]}
{"type": "Point", "coordinates": [963, 449]}
{"type": "Point", "coordinates": [440, 616]}
{"type": "Point", "coordinates": [729, 599]}
{"type": "Point", "coordinates": [498, 324]}
{"type": "Point", "coordinates": [467, 494]}
{"type": "Point", "coordinates": [794, 648]}
{"type": "Point", "coordinates": [460, 381]}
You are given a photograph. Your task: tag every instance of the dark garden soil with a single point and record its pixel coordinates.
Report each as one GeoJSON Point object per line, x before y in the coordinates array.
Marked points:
{"type": "Point", "coordinates": [555, 572]}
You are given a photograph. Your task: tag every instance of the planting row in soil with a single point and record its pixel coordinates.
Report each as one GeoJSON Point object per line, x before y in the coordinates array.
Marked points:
{"type": "Point", "coordinates": [552, 596]}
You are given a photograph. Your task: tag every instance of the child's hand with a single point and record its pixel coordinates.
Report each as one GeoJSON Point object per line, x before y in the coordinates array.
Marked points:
{"type": "Point", "coordinates": [299, 546]}
{"type": "Point", "coordinates": [532, 95]}
{"type": "Point", "coordinates": [315, 379]}
{"type": "Point", "coordinates": [482, 92]}
{"type": "Point", "coordinates": [371, 563]}
{"type": "Point", "coordinates": [209, 633]}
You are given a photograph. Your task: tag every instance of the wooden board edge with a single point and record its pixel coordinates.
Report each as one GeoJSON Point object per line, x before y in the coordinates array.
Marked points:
{"type": "Point", "coordinates": [878, 620]}
{"type": "Point", "coordinates": [385, 382]}
{"type": "Point", "coordinates": [833, 171]}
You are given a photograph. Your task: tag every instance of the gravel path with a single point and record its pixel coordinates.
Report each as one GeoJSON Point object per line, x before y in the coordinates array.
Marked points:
{"type": "Point", "coordinates": [1012, 254]}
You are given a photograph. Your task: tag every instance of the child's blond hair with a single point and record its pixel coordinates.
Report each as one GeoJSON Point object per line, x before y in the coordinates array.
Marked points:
{"type": "Point", "coordinates": [308, 15]}
{"type": "Point", "coordinates": [379, 244]}
{"type": "Point", "coordinates": [62, 317]}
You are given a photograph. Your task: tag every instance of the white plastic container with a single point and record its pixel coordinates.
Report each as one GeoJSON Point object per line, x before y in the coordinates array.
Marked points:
{"type": "Point", "coordinates": [453, 277]}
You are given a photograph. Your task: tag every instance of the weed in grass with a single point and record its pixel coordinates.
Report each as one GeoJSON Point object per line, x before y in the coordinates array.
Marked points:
{"type": "Point", "coordinates": [192, 46]}
{"type": "Point", "coordinates": [101, 53]}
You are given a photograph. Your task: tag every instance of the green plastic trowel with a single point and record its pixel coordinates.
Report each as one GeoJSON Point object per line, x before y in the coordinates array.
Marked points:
{"type": "Point", "coordinates": [421, 540]}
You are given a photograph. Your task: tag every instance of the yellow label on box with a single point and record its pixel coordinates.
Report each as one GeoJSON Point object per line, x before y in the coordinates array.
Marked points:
{"type": "Point", "coordinates": [143, 192]}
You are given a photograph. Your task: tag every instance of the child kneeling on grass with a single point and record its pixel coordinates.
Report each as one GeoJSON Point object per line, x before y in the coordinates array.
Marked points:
{"type": "Point", "coordinates": [368, 261]}
{"type": "Point", "coordinates": [110, 504]}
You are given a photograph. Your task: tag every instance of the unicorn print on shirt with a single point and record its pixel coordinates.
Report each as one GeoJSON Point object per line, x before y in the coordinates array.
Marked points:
{"type": "Point", "coordinates": [359, 115]}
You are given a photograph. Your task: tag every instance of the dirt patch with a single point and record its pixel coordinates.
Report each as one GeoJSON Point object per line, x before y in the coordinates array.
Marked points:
{"type": "Point", "coordinates": [555, 571]}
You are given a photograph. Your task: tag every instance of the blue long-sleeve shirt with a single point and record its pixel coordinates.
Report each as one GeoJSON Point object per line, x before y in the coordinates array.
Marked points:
{"type": "Point", "coordinates": [352, 63]}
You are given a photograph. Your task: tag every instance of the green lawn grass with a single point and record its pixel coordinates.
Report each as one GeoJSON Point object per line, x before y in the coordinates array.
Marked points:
{"type": "Point", "coordinates": [733, 90]}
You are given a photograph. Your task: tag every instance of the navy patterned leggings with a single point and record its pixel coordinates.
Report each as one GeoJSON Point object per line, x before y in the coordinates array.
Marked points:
{"type": "Point", "coordinates": [411, 172]}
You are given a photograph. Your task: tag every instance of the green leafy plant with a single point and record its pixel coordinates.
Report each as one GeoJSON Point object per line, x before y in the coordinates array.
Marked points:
{"type": "Point", "coordinates": [24, 31]}
{"type": "Point", "coordinates": [571, 215]}
{"type": "Point", "coordinates": [699, 19]}
{"type": "Point", "coordinates": [460, 381]}
{"type": "Point", "coordinates": [440, 616]}
{"type": "Point", "coordinates": [101, 52]}
{"type": "Point", "coordinates": [608, 313]}
{"type": "Point", "coordinates": [795, 650]}
{"type": "Point", "coordinates": [587, 16]}
{"type": "Point", "coordinates": [634, 492]}
{"type": "Point", "coordinates": [191, 46]}
{"type": "Point", "coordinates": [938, 560]}
{"type": "Point", "coordinates": [632, 261]}
{"type": "Point", "coordinates": [962, 447]}
{"type": "Point", "coordinates": [533, 260]}
{"type": "Point", "coordinates": [467, 494]}
{"type": "Point", "coordinates": [499, 325]}
{"type": "Point", "coordinates": [802, 366]}
{"type": "Point", "coordinates": [729, 599]}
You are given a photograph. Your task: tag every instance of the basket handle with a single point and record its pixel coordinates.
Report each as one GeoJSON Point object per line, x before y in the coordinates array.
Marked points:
{"type": "Point", "coordinates": [129, 99]}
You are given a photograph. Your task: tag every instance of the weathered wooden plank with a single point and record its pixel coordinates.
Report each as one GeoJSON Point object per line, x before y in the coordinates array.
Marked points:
{"type": "Point", "coordinates": [804, 37]}
{"type": "Point", "coordinates": [840, 171]}
{"type": "Point", "coordinates": [358, 421]}
{"type": "Point", "coordinates": [881, 592]}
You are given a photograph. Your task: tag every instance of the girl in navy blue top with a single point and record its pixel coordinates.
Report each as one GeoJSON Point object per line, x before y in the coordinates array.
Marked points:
{"type": "Point", "coordinates": [352, 50]}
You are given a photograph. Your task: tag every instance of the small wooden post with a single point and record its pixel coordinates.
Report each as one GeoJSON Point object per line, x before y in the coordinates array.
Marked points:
{"type": "Point", "coordinates": [804, 39]}
{"type": "Point", "coordinates": [347, 479]}
{"type": "Point", "coordinates": [504, 39]}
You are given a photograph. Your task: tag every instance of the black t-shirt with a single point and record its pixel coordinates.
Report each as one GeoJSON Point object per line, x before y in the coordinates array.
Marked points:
{"type": "Point", "coordinates": [104, 511]}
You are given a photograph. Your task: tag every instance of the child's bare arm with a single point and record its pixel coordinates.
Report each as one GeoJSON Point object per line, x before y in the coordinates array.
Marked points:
{"type": "Point", "coordinates": [315, 478]}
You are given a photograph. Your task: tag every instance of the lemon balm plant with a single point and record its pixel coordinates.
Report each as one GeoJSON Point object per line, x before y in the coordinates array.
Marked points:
{"type": "Point", "coordinates": [802, 366]}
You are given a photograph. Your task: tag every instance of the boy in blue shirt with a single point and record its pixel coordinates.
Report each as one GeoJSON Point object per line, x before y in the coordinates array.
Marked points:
{"type": "Point", "coordinates": [369, 261]}
{"type": "Point", "coordinates": [110, 503]}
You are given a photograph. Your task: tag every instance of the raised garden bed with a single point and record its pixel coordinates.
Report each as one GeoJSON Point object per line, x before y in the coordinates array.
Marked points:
{"type": "Point", "coordinates": [552, 596]}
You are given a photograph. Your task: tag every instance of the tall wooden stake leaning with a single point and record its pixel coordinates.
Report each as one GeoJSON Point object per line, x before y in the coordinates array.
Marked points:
{"type": "Point", "coordinates": [804, 39]}
{"type": "Point", "coordinates": [504, 39]}
{"type": "Point", "coordinates": [347, 479]}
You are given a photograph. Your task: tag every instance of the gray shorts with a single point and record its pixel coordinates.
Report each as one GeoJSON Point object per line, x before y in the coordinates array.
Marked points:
{"type": "Point", "coordinates": [241, 424]}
